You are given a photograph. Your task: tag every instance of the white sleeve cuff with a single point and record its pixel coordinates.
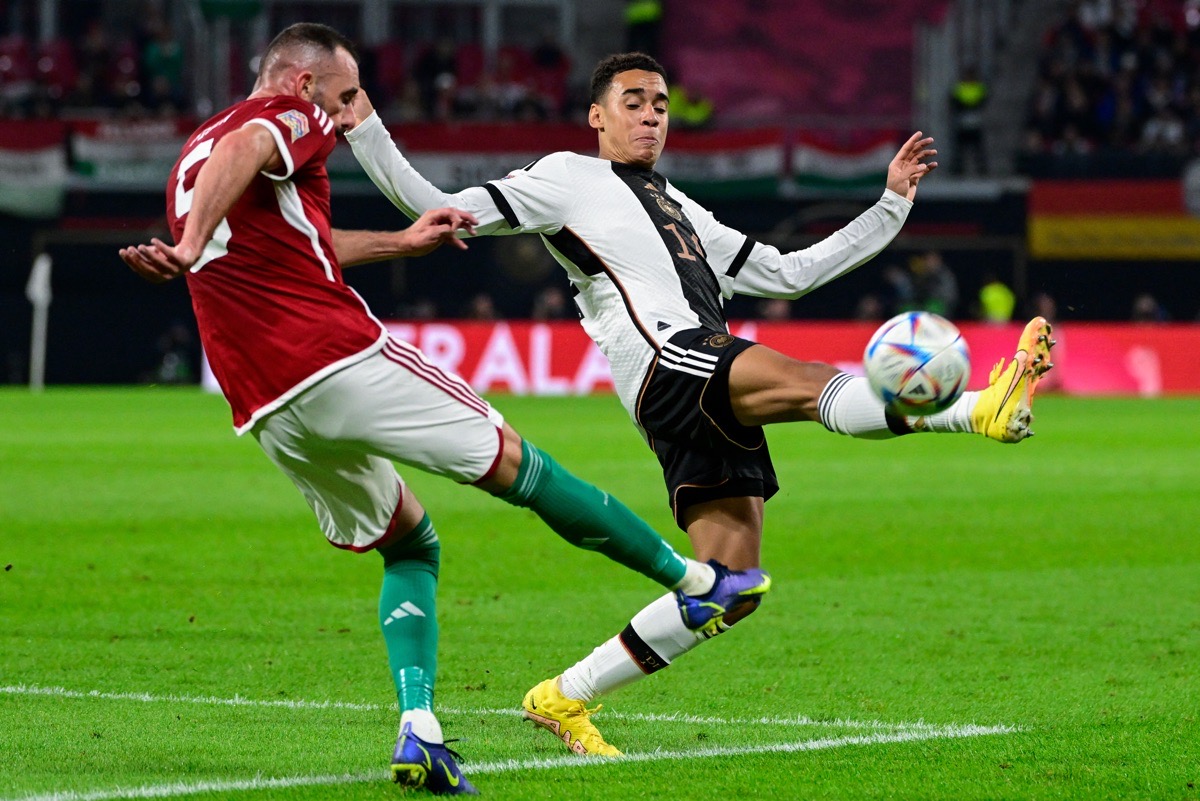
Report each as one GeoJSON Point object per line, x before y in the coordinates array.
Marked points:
{"type": "Point", "coordinates": [364, 127]}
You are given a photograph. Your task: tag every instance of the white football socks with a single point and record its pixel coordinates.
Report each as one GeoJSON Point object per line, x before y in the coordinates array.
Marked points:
{"type": "Point", "coordinates": [848, 406]}
{"type": "Point", "coordinates": [610, 666]}
{"type": "Point", "coordinates": [698, 579]}
{"type": "Point", "coordinates": [424, 724]}
{"type": "Point", "coordinates": [955, 420]}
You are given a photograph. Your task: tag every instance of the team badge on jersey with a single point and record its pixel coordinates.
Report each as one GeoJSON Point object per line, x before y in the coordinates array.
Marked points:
{"type": "Point", "coordinates": [670, 208]}
{"type": "Point", "coordinates": [719, 341]}
{"type": "Point", "coordinates": [295, 121]}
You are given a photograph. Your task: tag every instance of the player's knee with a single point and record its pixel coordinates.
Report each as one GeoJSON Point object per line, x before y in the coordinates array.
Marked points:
{"type": "Point", "coordinates": [411, 549]}
{"type": "Point", "coordinates": [508, 471]}
{"type": "Point", "coordinates": [537, 469]}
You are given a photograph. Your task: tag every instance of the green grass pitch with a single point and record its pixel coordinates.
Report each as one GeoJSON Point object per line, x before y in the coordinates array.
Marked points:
{"type": "Point", "coordinates": [951, 618]}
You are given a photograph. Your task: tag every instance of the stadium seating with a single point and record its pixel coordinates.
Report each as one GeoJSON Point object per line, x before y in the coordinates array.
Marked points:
{"type": "Point", "coordinates": [16, 67]}
{"type": "Point", "coordinates": [57, 68]}
{"type": "Point", "coordinates": [1115, 83]}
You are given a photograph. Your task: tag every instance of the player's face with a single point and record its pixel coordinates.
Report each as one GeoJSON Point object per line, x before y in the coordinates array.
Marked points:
{"type": "Point", "coordinates": [334, 87]}
{"type": "Point", "coordinates": [632, 118]}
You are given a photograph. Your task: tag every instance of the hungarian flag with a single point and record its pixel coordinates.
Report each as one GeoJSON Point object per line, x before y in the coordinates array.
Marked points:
{"type": "Point", "coordinates": [33, 167]}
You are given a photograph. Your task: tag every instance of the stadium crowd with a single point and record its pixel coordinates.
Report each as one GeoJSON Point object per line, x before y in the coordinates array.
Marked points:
{"type": "Point", "coordinates": [1119, 75]}
{"type": "Point", "coordinates": [101, 68]}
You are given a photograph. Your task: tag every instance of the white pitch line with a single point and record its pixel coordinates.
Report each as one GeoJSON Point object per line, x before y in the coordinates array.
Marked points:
{"type": "Point", "coordinates": [237, 700]}
{"type": "Point", "coordinates": [674, 717]}
{"type": "Point", "coordinates": [511, 765]}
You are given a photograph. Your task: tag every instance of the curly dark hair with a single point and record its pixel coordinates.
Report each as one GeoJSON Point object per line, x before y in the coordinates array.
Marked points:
{"type": "Point", "coordinates": [610, 66]}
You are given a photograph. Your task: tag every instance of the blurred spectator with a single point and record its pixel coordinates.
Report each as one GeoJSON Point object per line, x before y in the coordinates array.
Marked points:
{"type": "Point", "coordinates": [1072, 143]}
{"type": "Point", "coordinates": [551, 68]}
{"type": "Point", "coordinates": [177, 353]}
{"type": "Point", "coordinates": [934, 287]}
{"type": "Point", "coordinates": [1163, 133]}
{"type": "Point", "coordinates": [996, 300]}
{"type": "Point", "coordinates": [551, 304]}
{"type": "Point", "coordinates": [419, 309]}
{"type": "Point", "coordinates": [1147, 309]}
{"type": "Point", "coordinates": [688, 109]}
{"type": "Point", "coordinates": [898, 290]}
{"type": "Point", "coordinates": [968, 97]}
{"type": "Point", "coordinates": [1043, 304]}
{"type": "Point", "coordinates": [95, 54]}
{"type": "Point", "coordinates": [547, 54]}
{"type": "Point", "coordinates": [508, 92]}
{"type": "Point", "coordinates": [774, 309]}
{"type": "Point", "coordinates": [404, 104]}
{"type": "Point", "coordinates": [436, 75]}
{"type": "Point", "coordinates": [481, 307]}
{"type": "Point", "coordinates": [124, 76]}
{"type": "Point", "coordinates": [162, 60]}
{"type": "Point", "coordinates": [870, 308]}
{"type": "Point", "coordinates": [643, 22]}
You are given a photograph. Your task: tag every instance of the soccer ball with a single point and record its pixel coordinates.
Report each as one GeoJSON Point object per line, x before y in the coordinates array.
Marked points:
{"type": "Point", "coordinates": [917, 363]}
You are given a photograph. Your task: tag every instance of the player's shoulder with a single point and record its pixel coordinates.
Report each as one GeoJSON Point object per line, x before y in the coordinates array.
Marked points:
{"type": "Point", "coordinates": [299, 116]}
{"type": "Point", "coordinates": [281, 103]}
{"type": "Point", "coordinates": [560, 162]}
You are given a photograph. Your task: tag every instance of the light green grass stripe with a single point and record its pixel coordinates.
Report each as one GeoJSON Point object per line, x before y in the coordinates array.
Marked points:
{"type": "Point", "coordinates": [514, 765]}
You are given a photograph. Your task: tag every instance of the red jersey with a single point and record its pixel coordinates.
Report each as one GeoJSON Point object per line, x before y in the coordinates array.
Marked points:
{"type": "Point", "coordinates": [273, 311]}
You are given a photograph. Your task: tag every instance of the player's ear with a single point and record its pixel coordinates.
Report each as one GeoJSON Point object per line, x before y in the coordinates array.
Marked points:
{"type": "Point", "coordinates": [596, 117]}
{"type": "Point", "coordinates": [306, 84]}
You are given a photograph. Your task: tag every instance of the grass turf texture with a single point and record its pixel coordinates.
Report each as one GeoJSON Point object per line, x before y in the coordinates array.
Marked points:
{"type": "Point", "coordinates": [1053, 587]}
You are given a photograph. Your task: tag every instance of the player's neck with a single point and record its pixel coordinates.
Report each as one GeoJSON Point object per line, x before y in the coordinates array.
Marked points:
{"type": "Point", "coordinates": [264, 92]}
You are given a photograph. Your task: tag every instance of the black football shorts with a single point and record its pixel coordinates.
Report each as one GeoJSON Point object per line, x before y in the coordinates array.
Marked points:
{"type": "Point", "coordinates": [706, 454]}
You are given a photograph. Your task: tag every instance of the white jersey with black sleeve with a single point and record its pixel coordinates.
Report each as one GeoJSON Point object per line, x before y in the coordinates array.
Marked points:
{"type": "Point", "coordinates": [645, 260]}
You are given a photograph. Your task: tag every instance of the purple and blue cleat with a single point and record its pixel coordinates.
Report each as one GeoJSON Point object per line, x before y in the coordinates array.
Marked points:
{"type": "Point", "coordinates": [417, 763]}
{"type": "Point", "coordinates": [733, 589]}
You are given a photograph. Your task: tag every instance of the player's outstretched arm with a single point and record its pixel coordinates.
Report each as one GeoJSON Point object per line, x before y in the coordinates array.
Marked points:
{"type": "Point", "coordinates": [431, 230]}
{"type": "Point", "coordinates": [910, 165]}
{"type": "Point", "coordinates": [407, 189]}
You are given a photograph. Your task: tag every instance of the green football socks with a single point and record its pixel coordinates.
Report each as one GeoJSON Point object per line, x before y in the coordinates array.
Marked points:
{"type": "Point", "coordinates": [589, 518]}
{"type": "Point", "coordinates": [407, 614]}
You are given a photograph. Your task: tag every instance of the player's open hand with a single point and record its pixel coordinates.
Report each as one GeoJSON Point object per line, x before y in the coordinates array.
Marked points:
{"type": "Point", "coordinates": [910, 165]}
{"type": "Point", "coordinates": [158, 262]}
{"type": "Point", "coordinates": [436, 227]}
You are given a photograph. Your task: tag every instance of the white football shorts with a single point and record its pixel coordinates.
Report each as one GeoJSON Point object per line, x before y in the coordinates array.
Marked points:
{"type": "Point", "coordinates": [337, 440]}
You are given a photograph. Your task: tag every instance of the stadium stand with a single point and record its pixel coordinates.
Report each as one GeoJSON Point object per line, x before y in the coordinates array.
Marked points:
{"type": "Point", "coordinates": [1118, 90]}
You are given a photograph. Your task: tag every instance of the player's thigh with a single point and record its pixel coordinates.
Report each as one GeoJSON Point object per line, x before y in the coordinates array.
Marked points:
{"type": "Point", "coordinates": [767, 387]}
{"type": "Point", "coordinates": [355, 496]}
{"type": "Point", "coordinates": [397, 405]}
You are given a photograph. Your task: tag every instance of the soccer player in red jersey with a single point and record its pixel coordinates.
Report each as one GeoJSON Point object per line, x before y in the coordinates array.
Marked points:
{"type": "Point", "coordinates": [333, 401]}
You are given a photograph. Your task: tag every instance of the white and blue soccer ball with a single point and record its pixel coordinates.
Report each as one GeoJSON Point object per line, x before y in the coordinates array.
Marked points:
{"type": "Point", "coordinates": [917, 363]}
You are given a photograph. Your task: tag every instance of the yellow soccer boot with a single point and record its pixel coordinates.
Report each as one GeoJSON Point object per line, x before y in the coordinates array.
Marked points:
{"type": "Point", "coordinates": [1004, 411]}
{"type": "Point", "coordinates": [569, 720]}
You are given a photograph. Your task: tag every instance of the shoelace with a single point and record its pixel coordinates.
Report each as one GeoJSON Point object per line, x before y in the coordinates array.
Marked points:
{"type": "Point", "coordinates": [451, 751]}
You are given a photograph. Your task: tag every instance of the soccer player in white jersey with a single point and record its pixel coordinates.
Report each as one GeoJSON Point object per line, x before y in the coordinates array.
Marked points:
{"type": "Point", "coordinates": [333, 401]}
{"type": "Point", "coordinates": [651, 270]}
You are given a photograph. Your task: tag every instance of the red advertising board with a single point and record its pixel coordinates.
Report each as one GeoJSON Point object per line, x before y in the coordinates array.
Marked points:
{"type": "Point", "coordinates": [528, 358]}
{"type": "Point", "coordinates": [559, 359]}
